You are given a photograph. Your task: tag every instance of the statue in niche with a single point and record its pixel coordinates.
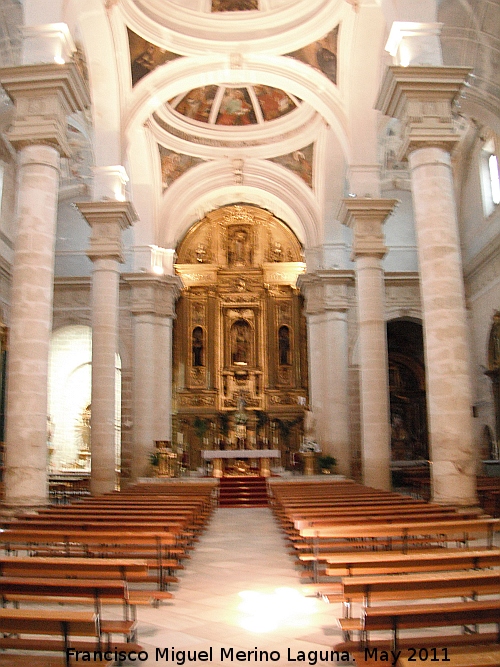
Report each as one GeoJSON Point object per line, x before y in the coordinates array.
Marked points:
{"type": "Point", "coordinates": [240, 343]}
{"type": "Point", "coordinates": [239, 248]}
{"type": "Point", "coordinates": [197, 345]}
{"type": "Point", "coordinates": [284, 346]}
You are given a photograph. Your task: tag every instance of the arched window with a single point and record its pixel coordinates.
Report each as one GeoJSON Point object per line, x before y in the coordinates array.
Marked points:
{"type": "Point", "coordinates": [490, 175]}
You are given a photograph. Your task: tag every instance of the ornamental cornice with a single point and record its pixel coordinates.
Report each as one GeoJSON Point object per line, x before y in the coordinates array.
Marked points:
{"type": "Point", "coordinates": [326, 290]}
{"type": "Point", "coordinates": [155, 295]}
{"type": "Point", "coordinates": [44, 95]}
{"type": "Point", "coordinates": [422, 98]}
{"type": "Point", "coordinates": [366, 217]}
{"type": "Point", "coordinates": [107, 220]}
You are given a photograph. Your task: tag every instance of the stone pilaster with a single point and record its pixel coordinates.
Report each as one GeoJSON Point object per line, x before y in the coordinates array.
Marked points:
{"type": "Point", "coordinates": [366, 218]}
{"type": "Point", "coordinates": [327, 303]}
{"type": "Point", "coordinates": [422, 97]}
{"type": "Point", "coordinates": [43, 96]}
{"type": "Point", "coordinates": [107, 219]}
{"type": "Point", "coordinates": [153, 306]}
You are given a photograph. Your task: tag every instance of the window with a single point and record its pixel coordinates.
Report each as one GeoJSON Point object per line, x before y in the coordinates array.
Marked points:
{"type": "Point", "coordinates": [490, 175]}
{"type": "Point", "coordinates": [494, 178]}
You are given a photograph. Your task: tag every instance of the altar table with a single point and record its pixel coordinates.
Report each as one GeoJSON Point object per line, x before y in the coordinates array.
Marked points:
{"type": "Point", "coordinates": [217, 456]}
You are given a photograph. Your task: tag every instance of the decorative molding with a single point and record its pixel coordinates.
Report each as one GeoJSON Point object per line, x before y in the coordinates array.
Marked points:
{"type": "Point", "coordinates": [422, 97]}
{"type": "Point", "coordinates": [366, 217]}
{"type": "Point", "coordinates": [107, 219]}
{"type": "Point", "coordinates": [44, 95]}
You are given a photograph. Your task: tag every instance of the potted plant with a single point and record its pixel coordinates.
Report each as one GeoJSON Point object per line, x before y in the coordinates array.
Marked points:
{"type": "Point", "coordinates": [154, 460]}
{"type": "Point", "coordinates": [326, 463]}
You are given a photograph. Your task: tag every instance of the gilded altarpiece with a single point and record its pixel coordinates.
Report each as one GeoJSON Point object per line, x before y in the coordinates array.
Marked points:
{"type": "Point", "coordinates": [240, 354]}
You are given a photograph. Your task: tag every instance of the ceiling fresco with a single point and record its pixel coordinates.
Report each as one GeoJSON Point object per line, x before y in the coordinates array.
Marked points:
{"type": "Point", "coordinates": [145, 56]}
{"type": "Point", "coordinates": [300, 162]}
{"type": "Point", "coordinates": [321, 54]}
{"type": "Point", "coordinates": [234, 105]}
{"type": "Point", "coordinates": [234, 5]}
{"type": "Point", "coordinates": [173, 165]}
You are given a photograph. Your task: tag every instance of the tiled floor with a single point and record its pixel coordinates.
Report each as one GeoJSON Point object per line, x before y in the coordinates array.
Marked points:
{"type": "Point", "coordinates": [240, 590]}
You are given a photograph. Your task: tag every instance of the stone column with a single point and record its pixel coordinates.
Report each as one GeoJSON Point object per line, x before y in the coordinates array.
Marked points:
{"type": "Point", "coordinates": [43, 95]}
{"type": "Point", "coordinates": [422, 97]}
{"type": "Point", "coordinates": [366, 217]}
{"type": "Point", "coordinates": [153, 300]}
{"type": "Point", "coordinates": [107, 220]}
{"type": "Point", "coordinates": [170, 290]}
{"type": "Point", "coordinates": [326, 311]}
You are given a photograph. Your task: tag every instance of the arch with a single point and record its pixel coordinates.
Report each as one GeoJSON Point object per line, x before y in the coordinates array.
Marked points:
{"type": "Point", "coordinates": [70, 364]}
{"type": "Point", "coordinates": [266, 184]}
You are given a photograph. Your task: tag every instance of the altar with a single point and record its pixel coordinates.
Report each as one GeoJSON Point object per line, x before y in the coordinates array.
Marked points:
{"type": "Point", "coordinates": [217, 456]}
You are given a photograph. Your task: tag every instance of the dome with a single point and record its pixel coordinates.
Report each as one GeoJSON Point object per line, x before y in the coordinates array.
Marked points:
{"type": "Point", "coordinates": [234, 106]}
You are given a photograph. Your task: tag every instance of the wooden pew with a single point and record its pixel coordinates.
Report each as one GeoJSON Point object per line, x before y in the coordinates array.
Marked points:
{"type": "Point", "coordinates": [366, 562]}
{"type": "Point", "coordinates": [391, 619]}
{"type": "Point", "coordinates": [377, 562]}
{"type": "Point", "coordinates": [440, 531]}
{"type": "Point", "coordinates": [77, 591]}
{"type": "Point", "coordinates": [368, 589]}
{"type": "Point", "coordinates": [27, 630]}
{"type": "Point", "coordinates": [128, 569]}
{"type": "Point", "coordinates": [117, 543]}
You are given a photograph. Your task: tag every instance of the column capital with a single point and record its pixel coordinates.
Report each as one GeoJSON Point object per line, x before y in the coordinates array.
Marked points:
{"type": "Point", "coordinates": [44, 95]}
{"type": "Point", "coordinates": [325, 290]}
{"type": "Point", "coordinates": [366, 218]}
{"type": "Point", "coordinates": [153, 295]}
{"type": "Point", "coordinates": [107, 219]}
{"type": "Point", "coordinates": [422, 98]}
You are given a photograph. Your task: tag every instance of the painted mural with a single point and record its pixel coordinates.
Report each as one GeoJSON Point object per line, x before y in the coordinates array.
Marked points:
{"type": "Point", "coordinates": [145, 56]}
{"type": "Point", "coordinates": [234, 5]}
{"type": "Point", "coordinates": [321, 54]}
{"type": "Point", "coordinates": [236, 108]}
{"type": "Point", "coordinates": [173, 165]}
{"type": "Point", "coordinates": [233, 106]}
{"type": "Point", "coordinates": [197, 103]}
{"type": "Point", "coordinates": [300, 162]}
{"type": "Point", "coordinates": [273, 102]}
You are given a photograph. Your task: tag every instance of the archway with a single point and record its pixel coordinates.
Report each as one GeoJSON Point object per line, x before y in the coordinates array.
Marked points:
{"type": "Point", "coordinates": [409, 438]}
{"type": "Point", "coordinates": [68, 419]}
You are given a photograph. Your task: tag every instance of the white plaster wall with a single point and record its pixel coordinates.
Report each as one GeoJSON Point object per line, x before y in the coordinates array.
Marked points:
{"type": "Point", "coordinates": [399, 231]}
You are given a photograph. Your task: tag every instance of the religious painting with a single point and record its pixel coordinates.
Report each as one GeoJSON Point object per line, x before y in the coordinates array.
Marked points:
{"type": "Point", "coordinates": [236, 108]}
{"type": "Point", "coordinates": [234, 5]}
{"type": "Point", "coordinates": [174, 165]}
{"type": "Point", "coordinates": [196, 104]}
{"type": "Point", "coordinates": [273, 102]}
{"type": "Point", "coordinates": [321, 54]}
{"type": "Point", "coordinates": [145, 56]}
{"type": "Point", "coordinates": [300, 162]}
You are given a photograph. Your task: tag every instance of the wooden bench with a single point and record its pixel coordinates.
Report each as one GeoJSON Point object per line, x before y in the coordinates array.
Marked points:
{"type": "Point", "coordinates": [467, 614]}
{"type": "Point", "coordinates": [375, 562]}
{"type": "Point", "coordinates": [461, 530]}
{"type": "Point", "coordinates": [367, 589]}
{"type": "Point", "coordinates": [28, 629]}
{"type": "Point", "coordinates": [76, 591]}
{"type": "Point", "coordinates": [128, 569]}
{"type": "Point", "coordinates": [103, 544]}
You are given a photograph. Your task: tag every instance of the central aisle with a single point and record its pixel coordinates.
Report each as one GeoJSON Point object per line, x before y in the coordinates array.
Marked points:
{"type": "Point", "coordinates": [242, 550]}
